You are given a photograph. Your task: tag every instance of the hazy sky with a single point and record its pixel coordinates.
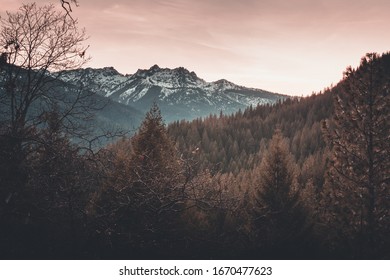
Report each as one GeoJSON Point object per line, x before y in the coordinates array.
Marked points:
{"type": "Point", "coordinates": [286, 46]}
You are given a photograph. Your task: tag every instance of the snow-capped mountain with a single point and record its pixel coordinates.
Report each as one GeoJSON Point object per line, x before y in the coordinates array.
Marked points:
{"type": "Point", "coordinates": [181, 94]}
{"type": "Point", "coordinates": [101, 81]}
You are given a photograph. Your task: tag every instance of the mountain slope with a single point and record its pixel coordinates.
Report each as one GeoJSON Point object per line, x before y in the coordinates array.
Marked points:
{"type": "Point", "coordinates": [85, 114]}
{"type": "Point", "coordinates": [181, 94]}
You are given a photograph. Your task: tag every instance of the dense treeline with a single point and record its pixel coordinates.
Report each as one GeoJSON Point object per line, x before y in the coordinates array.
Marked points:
{"type": "Point", "coordinates": [292, 180]}
{"type": "Point", "coordinates": [234, 143]}
{"type": "Point", "coordinates": [304, 178]}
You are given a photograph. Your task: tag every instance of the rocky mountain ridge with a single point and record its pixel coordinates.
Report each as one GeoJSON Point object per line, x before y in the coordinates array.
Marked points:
{"type": "Point", "coordinates": [181, 94]}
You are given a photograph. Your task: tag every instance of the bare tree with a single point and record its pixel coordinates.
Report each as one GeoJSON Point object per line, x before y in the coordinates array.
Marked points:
{"type": "Point", "coordinates": [36, 43]}
{"type": "Point", "coordinates": [67, 6]}
{"type": "Point", "coordinates": [35, 40]}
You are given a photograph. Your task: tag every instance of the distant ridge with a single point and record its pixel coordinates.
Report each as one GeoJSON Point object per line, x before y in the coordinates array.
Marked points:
{"type": "Point", "coordinates": [180, 93]}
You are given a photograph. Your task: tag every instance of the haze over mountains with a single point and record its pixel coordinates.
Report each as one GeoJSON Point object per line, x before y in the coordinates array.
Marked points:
{"type": "Point", "coordinates": [180, 94]}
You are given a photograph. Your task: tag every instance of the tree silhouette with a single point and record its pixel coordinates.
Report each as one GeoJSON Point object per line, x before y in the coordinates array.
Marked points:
{"type": "Point", "coordinates": [36, 118]}
{"type": "Point", "coordinates": [141, 200]}
{"type": "Point", "coordinates": [359, 173]}
{"type": "Point", "coordinates": [279, 216]}
{"type": "Point", "coordinates": [33, 41]}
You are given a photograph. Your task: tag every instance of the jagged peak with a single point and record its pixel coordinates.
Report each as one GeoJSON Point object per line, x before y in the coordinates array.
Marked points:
{"type": "Point", "coordinates": [185, 71]}
{"type": "Point", "coordinates": [225, 83]}
{"type": "Point", "coordinates": [181, 69]}
{"type": "Point", "coordinates": [144, 72]}
{"type": "Point", "coordinates": [154, 68]}
{"type": "Point", "coordinates": [108, 70]}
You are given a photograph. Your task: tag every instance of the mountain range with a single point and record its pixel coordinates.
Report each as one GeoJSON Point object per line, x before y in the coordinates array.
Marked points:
{"type": "Point", "coordinates": [180, 94]}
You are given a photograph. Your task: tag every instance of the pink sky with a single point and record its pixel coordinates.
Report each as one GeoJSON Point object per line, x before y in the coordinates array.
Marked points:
{"type": "Point", "coordinates": [293, 47]}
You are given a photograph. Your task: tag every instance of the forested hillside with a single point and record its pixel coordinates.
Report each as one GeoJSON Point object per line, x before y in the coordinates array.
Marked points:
{"type": "Point", "coordinates": [305, 178]}
{"type": "Point", "coordinates": [236, 143]}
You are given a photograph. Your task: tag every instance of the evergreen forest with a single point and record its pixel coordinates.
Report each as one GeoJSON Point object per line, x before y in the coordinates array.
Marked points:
{"type": "Point", "coordinates": [305, 178]}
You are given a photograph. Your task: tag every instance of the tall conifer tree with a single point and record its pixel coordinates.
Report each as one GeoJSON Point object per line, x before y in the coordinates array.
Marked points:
{"type": "Point", "coordinates": [360, 166]}
{"type": "Point", "coordinates": [280, 218]}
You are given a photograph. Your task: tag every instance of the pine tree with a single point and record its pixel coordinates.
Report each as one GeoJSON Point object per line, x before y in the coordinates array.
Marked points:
{"type": "Point", "coordinates": [279, 216]}
{"type": "Point", "coordinates": [139, 205]}
{"type": "Point", "coordinates": [154, 160]}
{"type": "Point", "coordinates": [359, 174]}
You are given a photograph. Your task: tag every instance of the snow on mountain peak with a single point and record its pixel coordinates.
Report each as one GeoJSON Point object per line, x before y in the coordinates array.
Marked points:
{"type": "Point", "coordinates": [167, 78]}
{"type": "Point", "coordinates": [177, 89]}
{"type": "Point", "coordinates": [101, 80]}
{"type": "Point", "coordinates": [225, 85]}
